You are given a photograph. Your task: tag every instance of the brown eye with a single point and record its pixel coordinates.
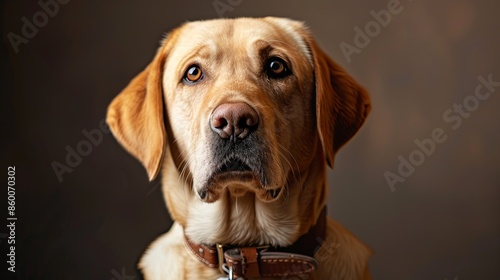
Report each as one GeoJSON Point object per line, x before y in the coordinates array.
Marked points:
{"type": "Point", "coordinates": [277, 68]}
{"type": "Point", "coordinates": [193, 74]}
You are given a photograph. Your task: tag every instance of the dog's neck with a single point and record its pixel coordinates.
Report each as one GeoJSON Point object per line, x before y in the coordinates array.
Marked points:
{"type": "Point", "coordinates": [247, 220]}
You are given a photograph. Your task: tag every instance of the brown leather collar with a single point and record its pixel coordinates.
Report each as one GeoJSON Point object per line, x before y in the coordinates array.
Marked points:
{"type": "Point", "coordinates": [264, 261]}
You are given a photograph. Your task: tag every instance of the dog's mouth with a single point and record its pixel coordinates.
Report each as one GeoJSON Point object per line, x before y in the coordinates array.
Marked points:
{"type": "Point", "coordinates": [238, 176]}
{"type": "Point", "coordinates": [234, 165]}
{"type": "Point", "coordinates": [234, 169]}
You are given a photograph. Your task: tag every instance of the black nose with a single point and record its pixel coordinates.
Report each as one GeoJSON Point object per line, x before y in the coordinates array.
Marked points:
{"type": "Point", "coordinates": [234, 120]}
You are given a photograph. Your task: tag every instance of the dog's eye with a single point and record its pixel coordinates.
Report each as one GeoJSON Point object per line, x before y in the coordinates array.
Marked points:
{"type": "Point", "coordinates": [277, 68]}
{"type": "Point", "coordinates": [193, 74]}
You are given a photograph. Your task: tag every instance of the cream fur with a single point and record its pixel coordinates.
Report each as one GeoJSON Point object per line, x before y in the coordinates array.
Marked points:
{"type": "Point", "coordinates": [297, 140]}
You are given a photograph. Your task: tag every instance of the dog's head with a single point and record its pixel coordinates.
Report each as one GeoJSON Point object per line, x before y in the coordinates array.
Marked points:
{"type": "Point", "coordinates": [243, 105]}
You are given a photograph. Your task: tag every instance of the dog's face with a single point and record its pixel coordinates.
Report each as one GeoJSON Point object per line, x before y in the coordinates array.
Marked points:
{"type": "Point", "coordinates": [240, 108]}
{"type": "Point", "coordinates": [239, 104]}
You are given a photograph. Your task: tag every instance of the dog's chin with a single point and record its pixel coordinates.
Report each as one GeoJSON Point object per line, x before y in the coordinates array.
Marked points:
{"type": "Point", "coordinates": [237, 184]}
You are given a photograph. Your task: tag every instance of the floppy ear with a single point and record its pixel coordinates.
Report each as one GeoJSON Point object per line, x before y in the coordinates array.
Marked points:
{"type": "Point", "coordinates": [136, 115]}
{"type": "Point", "coordinates": [342, 105]}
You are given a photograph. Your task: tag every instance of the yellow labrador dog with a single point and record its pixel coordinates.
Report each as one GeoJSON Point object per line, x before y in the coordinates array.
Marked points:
{"type": "Point", "coordinates": [241, 117]}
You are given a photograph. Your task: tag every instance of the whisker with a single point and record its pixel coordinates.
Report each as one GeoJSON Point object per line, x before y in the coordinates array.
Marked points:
{"type": "Point", "coordinates": [287, 161]}
{"type": "Point", "coordinates": [295, 161]}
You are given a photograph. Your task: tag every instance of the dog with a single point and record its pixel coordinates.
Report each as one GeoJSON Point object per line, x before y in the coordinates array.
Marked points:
{"type": "Point", "coordinates": [242, 117]}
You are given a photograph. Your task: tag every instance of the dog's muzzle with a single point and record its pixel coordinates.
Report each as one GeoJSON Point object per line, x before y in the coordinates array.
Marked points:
{"type": "Point", "coordinates": [238, 154]}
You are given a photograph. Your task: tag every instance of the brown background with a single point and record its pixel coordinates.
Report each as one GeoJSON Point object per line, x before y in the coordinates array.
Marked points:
{"type": "Point", "coordinates": [443, 222]}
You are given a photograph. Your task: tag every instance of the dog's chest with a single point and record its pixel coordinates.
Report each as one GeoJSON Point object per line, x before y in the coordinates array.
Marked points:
{"type": "Point", "coordinates": [242, 221]}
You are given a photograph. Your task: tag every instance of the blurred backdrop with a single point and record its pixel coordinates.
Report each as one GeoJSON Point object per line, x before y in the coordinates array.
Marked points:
{"type": "Point", "coordinates": [419, 183]}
